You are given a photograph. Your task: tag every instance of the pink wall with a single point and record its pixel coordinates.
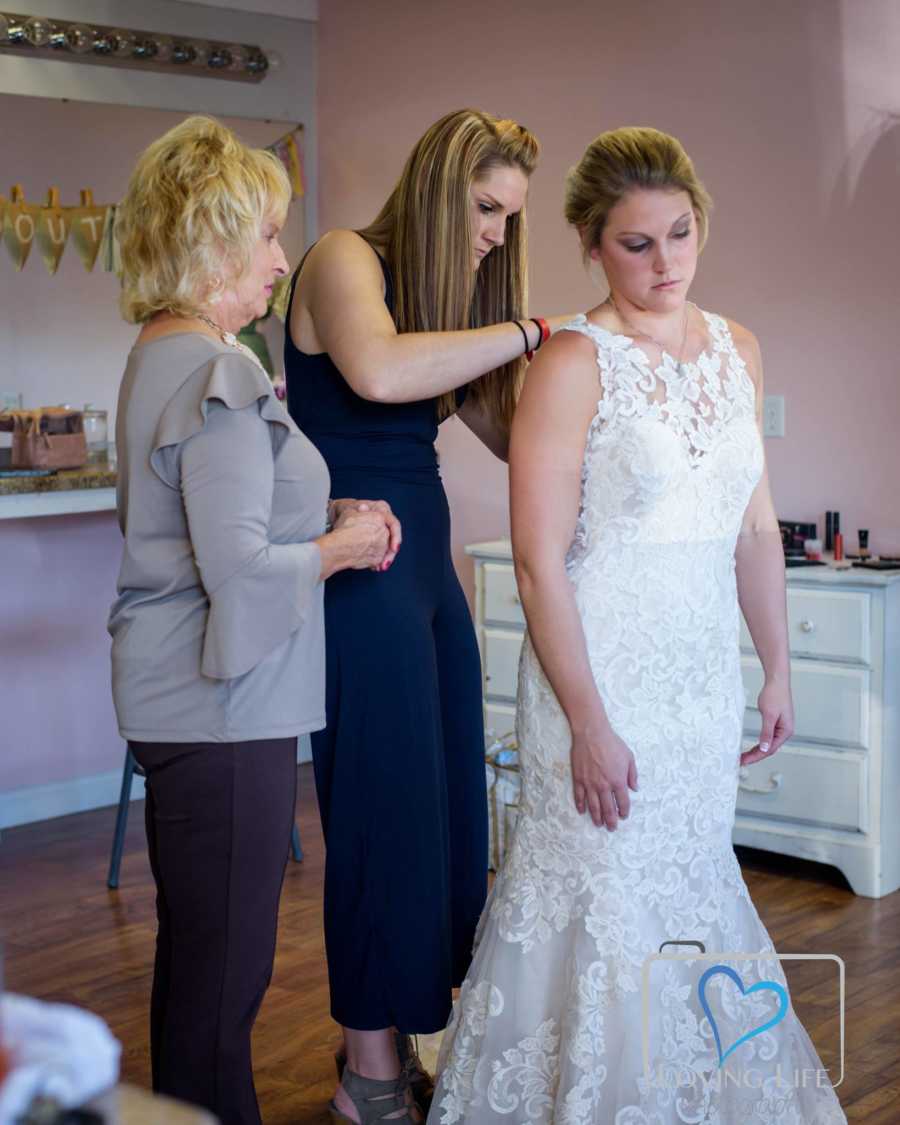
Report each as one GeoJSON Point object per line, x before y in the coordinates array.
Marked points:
{"type": "Point", "coordinates": [792, 115]}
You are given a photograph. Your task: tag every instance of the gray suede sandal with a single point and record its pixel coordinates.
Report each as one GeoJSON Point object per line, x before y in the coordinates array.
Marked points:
{"type": "Point", "coordinates": [375, 1100]}
{"type": "Point", "coordinates": [420, 1081]}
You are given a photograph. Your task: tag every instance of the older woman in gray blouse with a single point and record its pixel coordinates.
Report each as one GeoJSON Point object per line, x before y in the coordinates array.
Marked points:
{"type": "Point", "coordinates": [218, 648]}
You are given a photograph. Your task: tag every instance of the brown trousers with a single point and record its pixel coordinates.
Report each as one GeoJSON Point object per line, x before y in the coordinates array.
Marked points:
{"type": "Point", "coordinates": [218, 818]}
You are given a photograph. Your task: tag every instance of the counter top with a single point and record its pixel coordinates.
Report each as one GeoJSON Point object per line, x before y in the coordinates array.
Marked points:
{"type": "Point", "coordinates": [65, 480]}
{"type": "Point", "coordinates": [91, 488]}
{"type": "Point", "coordinates": [501, 550]}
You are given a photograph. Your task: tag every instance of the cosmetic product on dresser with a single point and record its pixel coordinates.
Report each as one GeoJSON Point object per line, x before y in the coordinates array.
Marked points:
{"type": "Point", "coordinates": [863, 537]}
{"type": "Point", "coordinates": [813, 549]}
{"type": "Point", "coordinates": [839, 562]}
{"type": "Point", "coordinates": [829, 531]}
{"type": "Point", "coordinates": [794, 535]}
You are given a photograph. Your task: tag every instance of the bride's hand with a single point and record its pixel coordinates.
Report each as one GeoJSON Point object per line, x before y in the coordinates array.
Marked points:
{"type": "Point", "coordinates": [777, 712]}
{"type": "Point", "coordinates": [603, 770]}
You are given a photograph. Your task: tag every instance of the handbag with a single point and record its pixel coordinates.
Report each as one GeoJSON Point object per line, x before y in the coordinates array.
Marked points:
{"type": "Point", "coordinates": [51, 437]}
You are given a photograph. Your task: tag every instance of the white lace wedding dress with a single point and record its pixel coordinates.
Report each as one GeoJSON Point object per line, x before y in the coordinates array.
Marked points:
{"type": "Point", "coordinates": [556, 1022]}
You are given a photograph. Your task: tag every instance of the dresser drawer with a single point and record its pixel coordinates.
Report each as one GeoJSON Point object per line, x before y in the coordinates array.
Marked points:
{"type": "Point", "coordinates": [831, 703]}
{"type": "Point", "coordinates": [805, 783]}
{"type": "Point", "coordinates": [501, 597]}
{"type": "Point", "coordinates": [501, 663]}
{"type": "Point", "coordinates": [499, 718]}
{"type": "Point", "coordinates": [832, 624]}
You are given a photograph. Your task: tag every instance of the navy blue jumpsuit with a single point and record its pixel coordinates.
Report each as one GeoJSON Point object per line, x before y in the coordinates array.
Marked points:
{"type": "Point", "coordinates": [400, 766]}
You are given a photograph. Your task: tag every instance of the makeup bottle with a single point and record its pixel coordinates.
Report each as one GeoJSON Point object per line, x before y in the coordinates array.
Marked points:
{"type": "Point", "coordinates": [838, 547]}
{"type": "Point", "coordinates": [863, 535]}
{"type": "Point", "coordinates": [829, 531]}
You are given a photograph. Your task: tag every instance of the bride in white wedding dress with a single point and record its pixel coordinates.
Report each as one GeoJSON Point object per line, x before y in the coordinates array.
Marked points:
{"type": "Point", "coordinates": [641, 519]}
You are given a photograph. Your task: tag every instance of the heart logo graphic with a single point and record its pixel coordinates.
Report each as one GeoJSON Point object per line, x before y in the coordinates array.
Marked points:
{"type": "Point", "coordinates": [760, 986]}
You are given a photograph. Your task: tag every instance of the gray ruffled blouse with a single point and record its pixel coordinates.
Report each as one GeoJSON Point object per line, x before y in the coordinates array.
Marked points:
{"type": "Point", "coordinates": [218, 630]}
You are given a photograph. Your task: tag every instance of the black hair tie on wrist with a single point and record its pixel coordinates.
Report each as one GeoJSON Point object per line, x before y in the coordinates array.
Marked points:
{"type": "Point", "coordinates": [518, 325]}
{"type": "Point", "coordinates": [540, 329]}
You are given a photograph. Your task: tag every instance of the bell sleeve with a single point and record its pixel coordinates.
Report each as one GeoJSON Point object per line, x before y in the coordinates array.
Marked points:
{"type": "Point", "coordinates": [215, 443]}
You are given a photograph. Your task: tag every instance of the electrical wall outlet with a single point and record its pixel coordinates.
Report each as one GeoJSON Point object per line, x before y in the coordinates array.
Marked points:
{"type": "Point", "coordinates": [773, 416]}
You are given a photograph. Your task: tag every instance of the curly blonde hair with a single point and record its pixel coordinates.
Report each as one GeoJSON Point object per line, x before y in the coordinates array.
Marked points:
{"type": "Point", "coordinates": [194, 208]}
{"type": "Point", "coordinates": [618, 161]}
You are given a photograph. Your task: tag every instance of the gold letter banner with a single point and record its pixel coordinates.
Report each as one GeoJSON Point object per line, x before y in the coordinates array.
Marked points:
{"type": "Point", "coordinates": [53, 230]}
{"type": "Point", "coordinates": [19, 220]}
{"type": "Point", "coordinates": [88, 223]}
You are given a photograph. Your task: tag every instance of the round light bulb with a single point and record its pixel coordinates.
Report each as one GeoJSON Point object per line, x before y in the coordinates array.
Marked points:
{"type": "Point", "coordinates": [238, 56]}
{"type": "Point", "coordinates": [123, 44]}
{"type": "Point", "coordinates": [201, 52]}
{"type": "Point", "coordinates": [104, 44]}
{"type": "Point", "coordinates": [256, 63]}
{"type": "Point", "coordinates": [37, 31]}
{"type": "Point", "coordinates": [144, 48]}
{"type": "Point", "coordinates": [164, 48]}
{"type": "Point", "coordinates": [182, 53]}
{"type": "Point", "coordinates": [219, 57]}
{"type": "Point", "coordinates": [79, 38]}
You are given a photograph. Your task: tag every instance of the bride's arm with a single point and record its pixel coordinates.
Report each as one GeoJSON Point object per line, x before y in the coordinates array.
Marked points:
{"type": "Point", "coordinates": [759, 569]}
{"type": "Point", "coordinates": [547, 444]}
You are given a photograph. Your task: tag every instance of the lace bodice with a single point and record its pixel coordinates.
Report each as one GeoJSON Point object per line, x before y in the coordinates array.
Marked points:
{"type": "Point", "coordinates": [673, 453]}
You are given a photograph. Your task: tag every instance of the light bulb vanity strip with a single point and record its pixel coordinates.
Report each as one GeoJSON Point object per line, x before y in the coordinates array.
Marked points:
{"type": "Point", "coordinates": [40, 37]}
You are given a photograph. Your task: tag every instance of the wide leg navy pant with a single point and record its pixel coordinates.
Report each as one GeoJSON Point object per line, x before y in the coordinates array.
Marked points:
{"type": "Point", "coordinates": [400, 773]}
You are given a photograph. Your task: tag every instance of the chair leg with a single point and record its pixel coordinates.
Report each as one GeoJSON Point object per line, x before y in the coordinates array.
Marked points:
{"type": "Point", "coordinates": [115, 859]}
{"type": "Point", "coordinates": [296, 849]}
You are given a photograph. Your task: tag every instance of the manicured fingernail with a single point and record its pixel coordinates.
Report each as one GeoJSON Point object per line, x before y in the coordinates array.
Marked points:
{"type": "Point", "coordinates": [764, 746]}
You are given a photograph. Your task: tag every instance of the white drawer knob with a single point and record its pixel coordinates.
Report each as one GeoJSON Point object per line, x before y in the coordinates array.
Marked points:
{"type": "Point", "coordinates": [775, 782]}
{"type": "Point", "coordinates": [807, 626]}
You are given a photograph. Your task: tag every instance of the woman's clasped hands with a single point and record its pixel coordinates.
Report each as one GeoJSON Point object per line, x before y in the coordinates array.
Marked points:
{"type": "Point", "coordinates": [365, 535]}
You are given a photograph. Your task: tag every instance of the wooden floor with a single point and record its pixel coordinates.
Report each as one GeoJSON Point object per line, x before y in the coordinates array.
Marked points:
{"type": "Point", "coordinates": [66, 937]}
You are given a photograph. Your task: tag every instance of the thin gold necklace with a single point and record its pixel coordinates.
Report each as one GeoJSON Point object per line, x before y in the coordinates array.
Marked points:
{"type": "Point", "coordinates": [638, 332]}
{"type": "Point", "coordinates": [232, 341]}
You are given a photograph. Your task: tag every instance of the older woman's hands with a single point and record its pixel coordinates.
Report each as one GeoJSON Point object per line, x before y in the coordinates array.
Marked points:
{"type": "Point", "coordinates": [366, 535]}
{"type": "Point", "coordinates": [395, 535]}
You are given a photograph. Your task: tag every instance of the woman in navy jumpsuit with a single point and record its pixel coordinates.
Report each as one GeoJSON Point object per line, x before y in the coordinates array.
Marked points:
{"type": "Point", "coordinates": [400, 766]}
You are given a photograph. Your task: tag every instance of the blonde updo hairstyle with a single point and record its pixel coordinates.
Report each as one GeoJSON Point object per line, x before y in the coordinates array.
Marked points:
{"type": "Point", "coordinates": [620, 161]}
{"type": "Point", "coordinates": [193, 211]}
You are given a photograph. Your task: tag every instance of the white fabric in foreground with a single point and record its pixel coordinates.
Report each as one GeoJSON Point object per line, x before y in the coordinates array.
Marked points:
{"type": "Point", "coordinates": [58, 1051]}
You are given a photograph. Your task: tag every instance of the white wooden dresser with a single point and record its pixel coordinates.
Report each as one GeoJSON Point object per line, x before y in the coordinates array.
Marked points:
{"type": "Point", "coordinates": [833, 793]}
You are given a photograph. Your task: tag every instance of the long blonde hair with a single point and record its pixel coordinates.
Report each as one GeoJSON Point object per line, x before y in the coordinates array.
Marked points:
{"type": "Point", "coordinates": [191, 216]}
{"type": "Point", "coordinates": [424, 231]}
